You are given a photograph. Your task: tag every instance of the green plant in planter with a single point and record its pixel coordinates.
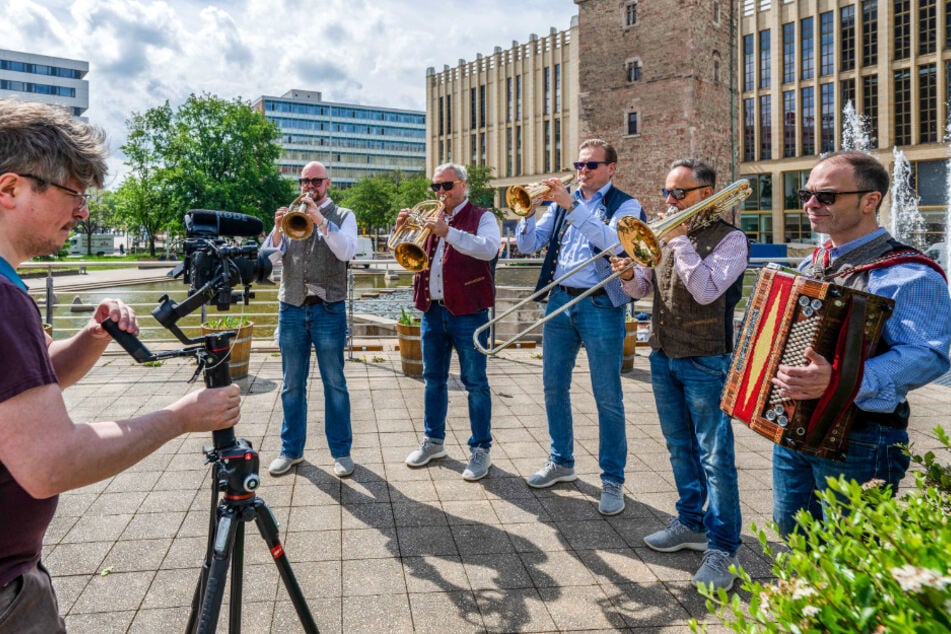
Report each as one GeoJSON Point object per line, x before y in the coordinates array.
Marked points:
{"type": "Point", "coordinates": [874, 563]}
{"type": "Point", "coordinates": [407, 319]}
{"type": "Point", "coordinates": [229, 322]}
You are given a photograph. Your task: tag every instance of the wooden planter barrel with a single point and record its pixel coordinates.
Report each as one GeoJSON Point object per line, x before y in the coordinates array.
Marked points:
{"type": "Point", "coordinates": [411, 349]}
{"type": "Point", "coordinates": [240, 361]}
{"type": "Point", "coordinates": [630, 346]}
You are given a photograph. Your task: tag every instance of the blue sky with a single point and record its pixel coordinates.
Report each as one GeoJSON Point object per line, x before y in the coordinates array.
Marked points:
{"type": "Point", "coordinates": [144, 53]}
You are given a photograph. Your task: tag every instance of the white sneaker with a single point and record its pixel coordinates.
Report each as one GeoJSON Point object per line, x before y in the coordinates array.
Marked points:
{"type": "Point", "coordinates": [478, 466]}
{"type": "Point", "coordinates": [427, 450]}
{"type": "Point", "coordinates": [282, 464]}
{"type": "Point", "coordinates": [343, 466]}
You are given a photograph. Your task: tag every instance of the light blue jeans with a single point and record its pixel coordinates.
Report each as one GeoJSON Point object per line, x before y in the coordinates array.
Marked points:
{"type": "Point", "coordinates": [323, 326]}
{"type": "Point", "coordinates": [598, 324]}
{"type": "Point", "coordinates": [874, 452]}
{"type": "Point", "coordinates": [441, 331]}
{"type": "Point", "coordinates": [700, 441]}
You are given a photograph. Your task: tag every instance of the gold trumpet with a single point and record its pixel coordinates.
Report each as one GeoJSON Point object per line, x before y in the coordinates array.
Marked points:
{"type": "Point", "coordinates": [296, 224]}
{"type": "Point", "coordinates": [408, 242]}
{"type": "Point", "coordinates": [641, 241]}
{"type": "Point", "coordinates": [521, 199]}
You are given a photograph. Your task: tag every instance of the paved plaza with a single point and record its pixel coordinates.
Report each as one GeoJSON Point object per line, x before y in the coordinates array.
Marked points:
{"type": "Point", "coordinates": [394, 549]}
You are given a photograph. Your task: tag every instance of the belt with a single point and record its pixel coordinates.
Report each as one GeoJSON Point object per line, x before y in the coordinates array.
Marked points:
{"type": "Point", "coordinates": [574, 291]}
{"type": "Point", "coordinates": [312, 299]}
{"type": "Point", "coordinates": [897, 419]}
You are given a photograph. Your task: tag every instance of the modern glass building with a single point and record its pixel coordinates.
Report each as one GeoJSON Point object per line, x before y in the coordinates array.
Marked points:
{"type": "Point", "coordinates": [352, 141]}
{"type": "Point", "coordinates": [44, 79]}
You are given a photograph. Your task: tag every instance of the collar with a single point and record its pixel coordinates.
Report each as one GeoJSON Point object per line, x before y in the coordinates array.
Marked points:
{"type": "Point", "coordinates": [459, 207]}
{"type": "Point", "coordinates": [598, 195]}
{"type": "Point", "coordinates": [8, 272]}
{"type": "Point", "coordinates": [842, 249]}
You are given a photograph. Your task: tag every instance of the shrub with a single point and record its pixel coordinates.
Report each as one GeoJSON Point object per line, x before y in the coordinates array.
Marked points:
{"type": "Point", "coordinates": [874, 563]}
{"type": "Point", "coordinates": [229, 322]}
{"type": "Point", "coordinates": [407, 318]}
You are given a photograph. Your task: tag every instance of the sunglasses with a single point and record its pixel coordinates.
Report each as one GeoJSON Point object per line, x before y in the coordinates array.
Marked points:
{"type": "Point", "coordinates": [825, 197]}
{"type": "Point", "coordinates": [446, 186]}
{"type": "Point", "coordinates": [314, 182]}
{"type": "Point", "coordinates": [82, 199]}
{"type": "Point", "coordinates": [679, 193]}
{"type": "Point", "coordinates": [591, 165]}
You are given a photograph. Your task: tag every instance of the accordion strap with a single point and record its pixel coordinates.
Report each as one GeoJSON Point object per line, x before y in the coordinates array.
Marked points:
{"type": "Point", "coordinates": [847, 371]}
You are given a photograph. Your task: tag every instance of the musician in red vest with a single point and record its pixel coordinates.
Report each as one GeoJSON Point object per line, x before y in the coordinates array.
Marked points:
{"type": "Point", "coordinates": [454, 295]}
{"type": "Point", "coordinates": [841, 199]}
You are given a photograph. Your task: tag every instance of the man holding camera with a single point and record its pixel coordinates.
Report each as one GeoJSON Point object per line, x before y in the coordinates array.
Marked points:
{"type": "Point", "coordinates": [313, 314]}
{"type": "Point", "coordinates": [47, 160]}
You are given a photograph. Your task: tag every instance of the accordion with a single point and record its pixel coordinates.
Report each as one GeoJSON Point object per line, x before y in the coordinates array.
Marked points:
{"type": "Point", "coordinates": [786, 314]}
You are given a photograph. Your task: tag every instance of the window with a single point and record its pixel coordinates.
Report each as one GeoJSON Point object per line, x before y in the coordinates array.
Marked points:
{"type": "Point", "coordinates": [510, 101]}
{"type": "Point", "coordinates": [749, 131]}
{"type": "Point", "coordinates": [473, 110]}
{"type": "Point", "coordinates": [633, 126]}
{"type": "Point", "coordinates": [716, 12]}
{"type": "Point", "coordinates": [808, 121]}
{"type": "Point", "coordinates": [546, 107]}
{"type": "Point", "coordinates": [765, 128]}
{"type": "Point", "coordinates": [902, 107]}
{"type": "Point", "coordinates": [927, 27]}
{"type": "Point", "coordinates": [826, 44]}
{"type": "Point", "coordinates": [808, 49]}
{"type": "Point", "coordinates": [448, 114]}
{"type": "Point", "coordinates": [847, 37]}
{"type": "Point", "coordinates": [827, 125]}
{"type": "Point", "coordinates": [634, 70]}
{"type": "Point", "coordinates": [547, 162]}
{"type": "Point", "coordinates": [630, 14]}
{"type": "Point", "coordinates": [789, 52]}
{"type": "Point", "coordinates": [847, 93]}
{"type": "Point", "coordinates": [789, 123]}
{"type": "Point", "coordinates": [716, 67]}
{"type": "Point", "coordinates": [869, 32]}
{"type": "Point", "coordinates": [442, 123]}
{"type": "Point", "coordinates": [557, 87]}
{"type": "Point", "coordinates": [749, 63]}
{"type": "Point", "coordinates": [764, 55]}
{"type": "Point", "coordinates": [482, 107]}
{"type": "Point", "coordinates": [928, 104]}
{"type": "Point", "coordinates": [870, 107]}
{"type": "Point", "coordinates": [902, 32]}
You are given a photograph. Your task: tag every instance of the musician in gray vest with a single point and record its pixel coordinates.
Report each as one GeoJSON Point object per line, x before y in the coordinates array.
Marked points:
{"type": "Point", "coordinates": [312, 314]}
{"type": "Point", "coordinates": [841, 199]}
{"type": "Point", "coordinates": [577, 227]}
{"type": "Point", "coordinates": [696, 286]}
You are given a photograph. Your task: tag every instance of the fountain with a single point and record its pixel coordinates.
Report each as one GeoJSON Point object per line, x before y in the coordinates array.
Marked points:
{"type": "Point", "coordinates": [907, 223]}
{"type": "Point", "coordinates": [855, 134]}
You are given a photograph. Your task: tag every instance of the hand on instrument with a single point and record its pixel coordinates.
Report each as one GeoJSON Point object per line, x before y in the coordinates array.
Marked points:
{"type": "Point", "coordinates": [402, 216]}
{"type": "Point", "coordinates": [558, 193]}
{"type": "Point", "coordinates": [314, 213]}
{"type": "Point", "coordinates": [619, 264]}
{"type": "Point", "coordinates": [804, 382]}
{"type": "Point", "coordinates": [438, 225]}
{"type": "Point", "coordinates": [119, 312]}
{"type": "Point", "coordinates": [278, 216]}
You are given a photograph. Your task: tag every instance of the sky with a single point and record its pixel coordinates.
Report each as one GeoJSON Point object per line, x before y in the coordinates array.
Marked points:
{"type": "Point", "coordinates": [143, 53]}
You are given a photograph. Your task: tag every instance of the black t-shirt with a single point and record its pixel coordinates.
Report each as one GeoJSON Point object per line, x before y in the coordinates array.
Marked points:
{"type": "Point", "coordinates": [24, 364]}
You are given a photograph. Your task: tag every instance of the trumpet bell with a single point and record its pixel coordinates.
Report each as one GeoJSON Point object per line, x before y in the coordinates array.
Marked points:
{"type": "Point", "coordinates": [296, 224]}
{"type": "Point", "coordinates": [521, 199]}
{"type": "Point", "coordinates": [408, 242]}
{"type": "Point", "coordinates": [411, 257]}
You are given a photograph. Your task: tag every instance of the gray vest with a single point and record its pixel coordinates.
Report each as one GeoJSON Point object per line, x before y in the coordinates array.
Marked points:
{"type": "Point", "coordinates": [840, 271]}
{"type": "Point", "coordinates": [312, 262]}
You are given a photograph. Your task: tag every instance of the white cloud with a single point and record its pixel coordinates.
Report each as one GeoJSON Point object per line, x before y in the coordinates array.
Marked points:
{"type": "Point", "coordinates": [142, 53]}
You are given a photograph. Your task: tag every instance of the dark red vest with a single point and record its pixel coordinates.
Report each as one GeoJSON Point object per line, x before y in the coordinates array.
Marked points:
{"type": "Point", "coordinates": [467, 282]}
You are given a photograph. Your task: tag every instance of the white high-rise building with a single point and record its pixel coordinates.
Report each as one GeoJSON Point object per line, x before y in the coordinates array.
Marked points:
{"type": "Point", "coordinates": [45, 79]}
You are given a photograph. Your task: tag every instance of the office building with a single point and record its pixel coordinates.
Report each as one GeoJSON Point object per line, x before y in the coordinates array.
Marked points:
{"type": "Point", "coordinates": [352, 141]}
{"type": "Point", "coordinates": [45, 79]}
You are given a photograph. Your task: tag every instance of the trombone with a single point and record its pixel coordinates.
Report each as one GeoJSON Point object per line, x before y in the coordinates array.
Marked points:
{"type": "Point", "coordinates": [642, 243]}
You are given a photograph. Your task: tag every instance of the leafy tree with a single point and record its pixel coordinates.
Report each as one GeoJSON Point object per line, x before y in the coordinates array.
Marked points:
{"type": "Point", "coordinates": [481, 192]}
{"type": "Point", "coordinates": [409, 192]}
{"type": "Point", "coordinates": [102, 217]}
{"type": "Point", "coordinates": [371, 199]}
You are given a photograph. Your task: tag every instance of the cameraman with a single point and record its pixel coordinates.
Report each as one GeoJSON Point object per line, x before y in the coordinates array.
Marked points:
{"type": "Point", "coordinates": [312, 314]}
{"type": "Point", "coordinates": [47, 160]}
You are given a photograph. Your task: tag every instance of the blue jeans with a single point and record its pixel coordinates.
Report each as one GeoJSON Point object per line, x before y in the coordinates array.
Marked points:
{"type": "Point", "coordinates": [323, 326]}
{"type": "Point", "coordinates": [700, 441]}
{"type": "Point", "coordinates": [598, 324]}
{"type": "Point", "coordinates": [441, 331]}
{"type": "Point", "coordinates": [874, 452]}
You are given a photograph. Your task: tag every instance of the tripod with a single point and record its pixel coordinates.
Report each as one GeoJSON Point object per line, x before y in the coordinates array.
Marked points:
{"type": "Point", "coordinates": [235, 475]}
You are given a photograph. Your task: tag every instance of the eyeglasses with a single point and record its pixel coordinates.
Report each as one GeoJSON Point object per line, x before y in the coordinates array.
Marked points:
{"type": "Point", "coordinates": [315, 182]}
{"type": "Point", "coordinates": [446, 186]}
{"type": "Point", "coordinates": [826, 197]}
{"type": "Point", "coordinates": [680, 193]}
{"type": "Point", "coordinates": [83, 198]}
{"type": "Point", "coordinates": [591, 165]}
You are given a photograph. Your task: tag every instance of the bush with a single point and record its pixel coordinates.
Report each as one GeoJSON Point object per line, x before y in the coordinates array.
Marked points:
{"type": "Point", "coordinates": [875, 563]}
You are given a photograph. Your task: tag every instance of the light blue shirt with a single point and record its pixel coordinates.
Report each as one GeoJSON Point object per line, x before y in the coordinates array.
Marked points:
{"type": "Point", "coordinates": [587, 234]}
{"type": "Point", "coordinates": [919, 330]}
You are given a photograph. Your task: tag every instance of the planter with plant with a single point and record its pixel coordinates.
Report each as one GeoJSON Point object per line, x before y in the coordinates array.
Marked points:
{"type": "Point", "coordinates": [410, 342]}
{"type": "Point", "coordinates": [240, 345]}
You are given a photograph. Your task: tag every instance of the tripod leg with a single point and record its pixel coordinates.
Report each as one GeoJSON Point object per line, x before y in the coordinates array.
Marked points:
{"type": "Point", "coordinates": [190, 628]}
{"type": "Point", "coordinates": [237, 572]}
{"type": "Point", "coordinates": [267, 525]}
{"type": "Point", "coordinates": [228, 524]}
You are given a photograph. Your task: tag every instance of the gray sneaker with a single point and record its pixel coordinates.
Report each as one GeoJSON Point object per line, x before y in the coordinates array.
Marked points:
{"type": "Point", "coordinates": [282, 464]}
{"type": "Point", "coordinates": [478, 466]}
{"type": "Point", "coordinates": [612, 498]}
{"type": "Point", "coordinates": [549, 475]}
{"type": "Point", "coordinates": [676, 537]}
{"type": "Point", "coordinates": [427, 450]}
{"type": "Point", "coordinates": [715, 570]}
{"type": "Point", "coordinates": [343, 466]}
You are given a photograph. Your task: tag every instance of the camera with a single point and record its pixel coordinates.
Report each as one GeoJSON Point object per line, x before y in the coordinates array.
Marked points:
{"type": "Point", "coordinates": [214, 264]}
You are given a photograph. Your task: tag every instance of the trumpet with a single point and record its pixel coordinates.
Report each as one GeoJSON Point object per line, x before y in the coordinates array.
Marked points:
{"type": "Point", "coordinates": [408, 242]}
{"type": "Point", "coordinates": [641, 242]}
{"type": "Point", "coordinates": [296, 224]}
{"type": "Point", "coordinates": [521, 199]}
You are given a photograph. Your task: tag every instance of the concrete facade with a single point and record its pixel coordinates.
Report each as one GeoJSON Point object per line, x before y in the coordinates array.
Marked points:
{"type": "Point", "coordinates": [45, 79]}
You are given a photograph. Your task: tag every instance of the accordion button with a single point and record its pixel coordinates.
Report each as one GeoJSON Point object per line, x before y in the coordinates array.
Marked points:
{"type": "Point", "coordinates": [782, 421]}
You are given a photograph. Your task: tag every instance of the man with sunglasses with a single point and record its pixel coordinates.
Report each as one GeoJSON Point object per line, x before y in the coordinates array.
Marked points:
{"type": "Point", "coordinates": [696, 287]}
{"type": "Point", "coordinates": [574, 229]}
{"type": "Point", "coordinates": [47, 160]}
{"type": "Point", "coordinates": [454, 295]}
{"type": "Point", "coordinates": [312, 314]}
{"type": "Point", "coordinates": [842, 198]}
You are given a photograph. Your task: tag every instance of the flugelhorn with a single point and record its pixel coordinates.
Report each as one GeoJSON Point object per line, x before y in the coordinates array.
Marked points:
{"type": "Point", "coordinates": [641, 241]}
{"type": "Point", "coordinates": [521, 199]}
{"type": "Point", "coordinates": [296, 224]}
{"type": "Point", "coordinates": [408, 242]}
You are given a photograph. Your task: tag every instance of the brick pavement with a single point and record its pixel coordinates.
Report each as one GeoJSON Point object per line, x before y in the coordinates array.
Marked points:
{"type": "Point", "coordinates": [394, 549]}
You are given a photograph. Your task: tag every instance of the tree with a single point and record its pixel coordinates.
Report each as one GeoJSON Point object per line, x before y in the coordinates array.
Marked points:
{"type": "Point", "coordinates": [102, 216]}
{"type": "Point", "coordinates": [207, 154]}
{"type": "Point", "coordinates": [371, 199]}
{"type": "Point", "coordinates": [481, 193]}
